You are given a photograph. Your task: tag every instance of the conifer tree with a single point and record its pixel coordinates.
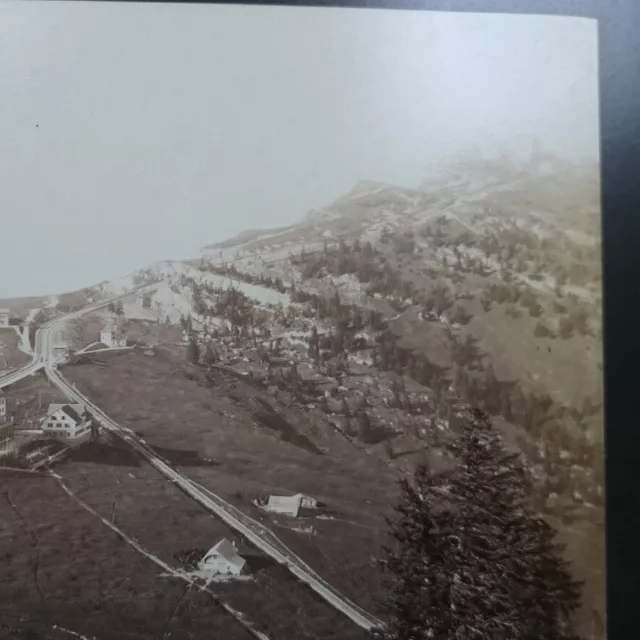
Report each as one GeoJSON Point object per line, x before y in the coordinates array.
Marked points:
{"type": "Point", "coordinates": [483, 564]}
{"type": "Point", "coordinates": [193, 352]}
{"type": "Point", "coordinates": [418, 565]}
{"type": "Point", "coordinates": [513, 581]}
{"type": "Point", "coordinates": [210, 355]}
{"type": "Point", "coordinates": [364, 426]}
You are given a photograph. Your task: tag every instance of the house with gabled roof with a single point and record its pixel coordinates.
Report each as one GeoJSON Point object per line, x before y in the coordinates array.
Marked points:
{"type": "Point", "coordinates": [66, 421]}
{"type": "Point", "coordinates": [223, 558]}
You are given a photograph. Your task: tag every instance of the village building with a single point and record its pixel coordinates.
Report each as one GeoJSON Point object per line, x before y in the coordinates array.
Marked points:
{"type": "Point", "coordinates": [66, 421]}
{"type": "Point", "coordinates": [290, 505]}
{"type": "Point", "coordinates": [113, 336]}
{"type": "Point", "coordinates": [5, 314]}
{"type": "Point", "coordinates": [223, 558]}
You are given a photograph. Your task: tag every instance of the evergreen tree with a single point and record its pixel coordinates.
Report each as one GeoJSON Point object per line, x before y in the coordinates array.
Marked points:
{"type": "Point", "coordinates": [314, 343]}
{"type": "Point", "coordinates": [513, 582]}
{"type": "Point", "coordinates": [210, 355]}
{"type": "Point", "coordinates": [364, 426]}
{"type": "Point", "coordinates": [193, 352]}
{"type": "Point", "coordinates": [481, 565]}
{"type": "Point", "coordinates": [420, 572]}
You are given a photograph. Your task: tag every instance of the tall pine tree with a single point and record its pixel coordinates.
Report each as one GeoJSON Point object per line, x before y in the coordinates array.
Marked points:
{"type": "Point", "coordinates": [193, 352]}
{"type": "Point", "coordinates": [418, 565]}
{"type": "Point", "coordinates": [473, 560]}
{"type": "Point", "coordinates": [210, 355]}
{"type": "Point", "coordinates": [517, 583]}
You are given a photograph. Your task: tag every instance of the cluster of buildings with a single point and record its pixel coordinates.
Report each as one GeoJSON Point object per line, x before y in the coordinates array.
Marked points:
{"type": "Point", "coordinates": [69, 422]}
{"type": "Point", "coordinates": [224, 558]}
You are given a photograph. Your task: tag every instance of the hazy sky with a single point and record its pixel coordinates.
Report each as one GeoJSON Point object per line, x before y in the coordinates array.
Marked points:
{"type": "Point", "coordinates": [132, 133]}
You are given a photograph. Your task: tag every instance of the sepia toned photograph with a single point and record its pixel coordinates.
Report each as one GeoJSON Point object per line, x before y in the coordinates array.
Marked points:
{"type": "Point", "coordinates": [300, 324]}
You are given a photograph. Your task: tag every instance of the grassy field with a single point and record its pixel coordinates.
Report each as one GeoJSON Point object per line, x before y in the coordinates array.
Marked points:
{"type": "Point", "coordinates": [62, 566]}
{"type": "Point", "coordinates": [212, 436]}
{"type": "Point", "coordinates": [128, 492]}
{"type": "Point", "coordinates": [65, 566]}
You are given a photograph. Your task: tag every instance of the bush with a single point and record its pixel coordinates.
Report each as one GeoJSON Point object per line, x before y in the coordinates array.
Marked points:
{"type": "Point", "coordinates": [542, 331]}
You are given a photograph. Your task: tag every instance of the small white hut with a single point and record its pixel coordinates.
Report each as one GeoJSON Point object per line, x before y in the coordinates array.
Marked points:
{"type": "Point", "coordinates": [290, 505]}
{"type": "Point", "coordinates": [223, 558]}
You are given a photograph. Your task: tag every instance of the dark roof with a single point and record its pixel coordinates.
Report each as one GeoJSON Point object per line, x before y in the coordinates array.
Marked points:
{"type": "Point", "coordinates": [72, 413]}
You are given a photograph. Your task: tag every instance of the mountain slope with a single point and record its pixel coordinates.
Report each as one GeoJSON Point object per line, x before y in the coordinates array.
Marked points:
{"type": "Point", "coordinates": [371, 323]}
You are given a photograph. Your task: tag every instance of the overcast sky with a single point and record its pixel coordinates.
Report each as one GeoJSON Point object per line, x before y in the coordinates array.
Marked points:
{"type": "Point", "coordinates": [132, 133]}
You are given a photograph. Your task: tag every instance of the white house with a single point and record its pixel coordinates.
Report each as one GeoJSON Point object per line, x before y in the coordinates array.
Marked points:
{"type": "Point", "coordinates": [4, 317]}
{"type": "Point", "coordinates": [223, 558]}
{"type": "Point", "coordinates": [66, 421]}
{"type": "Point", "coordinates": [112, 336]}
{"type": "Point", "coordinates": [290, 505]}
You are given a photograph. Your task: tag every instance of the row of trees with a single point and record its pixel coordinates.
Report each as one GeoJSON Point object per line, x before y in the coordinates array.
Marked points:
{"type": "Point", "coordinates": [359, 259]}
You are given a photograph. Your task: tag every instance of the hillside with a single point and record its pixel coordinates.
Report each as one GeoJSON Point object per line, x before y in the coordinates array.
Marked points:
{"type": "Point", "coordinates": [331, 355]}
